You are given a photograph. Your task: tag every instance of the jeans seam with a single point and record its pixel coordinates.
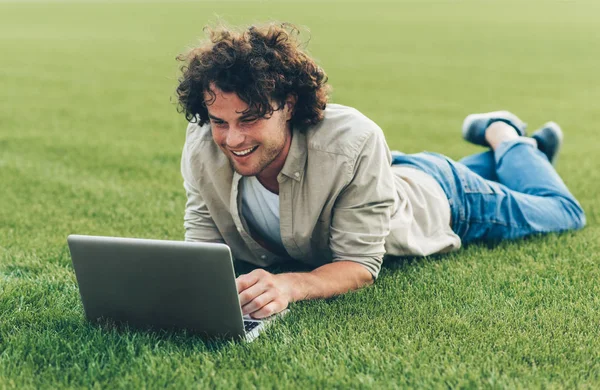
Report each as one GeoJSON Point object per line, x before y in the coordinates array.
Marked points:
{"type": "Point", "coordinates": [494, 221]}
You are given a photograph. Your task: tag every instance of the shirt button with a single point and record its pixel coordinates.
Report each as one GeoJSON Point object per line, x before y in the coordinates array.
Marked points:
{"type": "Point", "coordinates": [263, 257]}
{"type": "Point", "coordinates": [297, 174]}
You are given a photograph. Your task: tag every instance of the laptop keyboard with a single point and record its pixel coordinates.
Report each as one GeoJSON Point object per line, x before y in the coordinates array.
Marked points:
{"type": "Point", "coordinates": [249, 325]}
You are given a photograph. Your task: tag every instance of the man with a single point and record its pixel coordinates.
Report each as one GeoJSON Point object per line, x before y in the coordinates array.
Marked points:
{"type": "Point", "coordinates": [276, 173]}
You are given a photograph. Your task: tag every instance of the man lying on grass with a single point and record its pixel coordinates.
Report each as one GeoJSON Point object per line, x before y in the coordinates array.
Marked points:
{"type": "Point", "coordinates": [278, 174]}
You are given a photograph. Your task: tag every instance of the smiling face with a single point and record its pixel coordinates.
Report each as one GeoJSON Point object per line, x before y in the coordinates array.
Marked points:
{"type": "Point", "coordinates": [254, 146]}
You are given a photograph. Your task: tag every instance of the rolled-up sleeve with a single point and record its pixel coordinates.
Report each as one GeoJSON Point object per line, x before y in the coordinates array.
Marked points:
{"type": "Point", "coordinates": [361, 216]}
{"type": "Point", "coordinates": [198, 224]}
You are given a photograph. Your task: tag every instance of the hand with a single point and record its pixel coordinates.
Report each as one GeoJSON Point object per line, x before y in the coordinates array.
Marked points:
{"type": "Point", "coordinates": [262, 293]}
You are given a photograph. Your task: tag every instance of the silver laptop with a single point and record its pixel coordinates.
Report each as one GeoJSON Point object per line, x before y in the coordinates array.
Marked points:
{"type": "Point", "coordinates": [161, 284]}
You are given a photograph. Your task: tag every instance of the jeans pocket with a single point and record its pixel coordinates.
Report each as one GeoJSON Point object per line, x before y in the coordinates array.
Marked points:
{"type": "Point", "coordinates": [472, 183]}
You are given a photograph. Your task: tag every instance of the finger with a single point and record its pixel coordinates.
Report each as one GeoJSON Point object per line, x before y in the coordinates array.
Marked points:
{"type": "Point", "coordinates": [268, 310]}
{"type": "Point", "coordinates": [259, 301]}
{"type": "Point", "coordinates": [251, 293]}
{"type": "Point", "coordinates": [244, 281]}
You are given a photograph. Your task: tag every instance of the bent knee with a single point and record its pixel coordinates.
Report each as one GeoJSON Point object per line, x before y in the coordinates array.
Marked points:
{"type": "Point", "coordinates": [576, 214]}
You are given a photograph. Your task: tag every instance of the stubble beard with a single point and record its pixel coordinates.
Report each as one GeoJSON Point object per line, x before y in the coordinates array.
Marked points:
{"type": "Point", "coordinates": [269, 154]}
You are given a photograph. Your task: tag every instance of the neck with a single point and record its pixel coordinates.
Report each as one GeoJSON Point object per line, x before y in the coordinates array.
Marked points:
{"type": "Point", "coordinates": [268, 176]}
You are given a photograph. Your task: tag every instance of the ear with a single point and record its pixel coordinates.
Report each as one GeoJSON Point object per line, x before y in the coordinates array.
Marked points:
{"type": "Point", "coordinates": [290, 103]}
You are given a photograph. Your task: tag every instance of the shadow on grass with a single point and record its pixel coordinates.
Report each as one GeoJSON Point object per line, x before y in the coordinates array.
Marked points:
{"type": "Point", "coordinates": [89, 332]}
{"type": "Point", "coordinates": [175, 338]}
{"type": "Point", "coordinates": [396, 263]}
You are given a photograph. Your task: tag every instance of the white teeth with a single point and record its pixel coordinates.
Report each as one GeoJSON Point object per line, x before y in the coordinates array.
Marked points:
{"type": "Point", "coordinates": [243, 152]}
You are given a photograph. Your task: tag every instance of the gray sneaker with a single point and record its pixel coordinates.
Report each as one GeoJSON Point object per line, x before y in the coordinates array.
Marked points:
{"type": "Point", "coordinates": [549, 139]}
{"type": "Point", "coordinates": [475, 125]}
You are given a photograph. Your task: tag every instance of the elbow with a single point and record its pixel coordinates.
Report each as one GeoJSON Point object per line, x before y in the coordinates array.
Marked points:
{"type": "Point", "coordinates": [370, 278]}
{"type": "Point", "coordinates": [367, 278]}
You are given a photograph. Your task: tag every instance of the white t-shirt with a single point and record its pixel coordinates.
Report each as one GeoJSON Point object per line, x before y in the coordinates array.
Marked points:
{"type": "Point", "coordinates": [260, 208]}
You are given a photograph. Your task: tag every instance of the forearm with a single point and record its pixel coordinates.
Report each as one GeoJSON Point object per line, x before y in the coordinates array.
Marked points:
{"type": "Point", "coordinates": [326, 281]}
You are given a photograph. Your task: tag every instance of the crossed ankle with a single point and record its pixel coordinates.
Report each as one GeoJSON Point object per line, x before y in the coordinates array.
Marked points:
{"type": "Point", "coordinates": [499, 132]}
{"type": "Point", "coordinates": [531, 141]}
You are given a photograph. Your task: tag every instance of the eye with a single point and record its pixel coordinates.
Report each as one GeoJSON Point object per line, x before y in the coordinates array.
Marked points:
{"type": "Point", "coordinates": [249, 121]}
{"type": "Point", "coordinates": [217, 123]}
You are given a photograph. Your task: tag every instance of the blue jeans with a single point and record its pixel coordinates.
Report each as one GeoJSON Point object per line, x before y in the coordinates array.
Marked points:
{"type": "Point", "coordinates": [505, 194]}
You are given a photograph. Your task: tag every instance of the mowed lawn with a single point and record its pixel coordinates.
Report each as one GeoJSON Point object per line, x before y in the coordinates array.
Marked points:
{"type": "Point", "coordinates": [90, 143]}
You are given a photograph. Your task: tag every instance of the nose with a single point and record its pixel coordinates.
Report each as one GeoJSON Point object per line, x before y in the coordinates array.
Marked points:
{"type": "Point", "coordinates": [235, 137]}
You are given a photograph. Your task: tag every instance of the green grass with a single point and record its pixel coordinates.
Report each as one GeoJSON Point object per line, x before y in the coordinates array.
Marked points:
{"type": "Point", "coordinates": [90, 143]}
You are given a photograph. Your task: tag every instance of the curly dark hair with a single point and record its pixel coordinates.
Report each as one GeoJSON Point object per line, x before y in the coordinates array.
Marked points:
{"type": "Point", "coordinates": [263, 65]}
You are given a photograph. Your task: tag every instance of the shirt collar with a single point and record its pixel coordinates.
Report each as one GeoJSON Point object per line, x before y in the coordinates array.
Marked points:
{"type": "Point", "coordinates": [296, 158]}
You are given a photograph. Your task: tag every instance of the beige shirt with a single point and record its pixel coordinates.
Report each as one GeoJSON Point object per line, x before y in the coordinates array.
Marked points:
{"type": "Point", "coordinates": [339, 198]}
